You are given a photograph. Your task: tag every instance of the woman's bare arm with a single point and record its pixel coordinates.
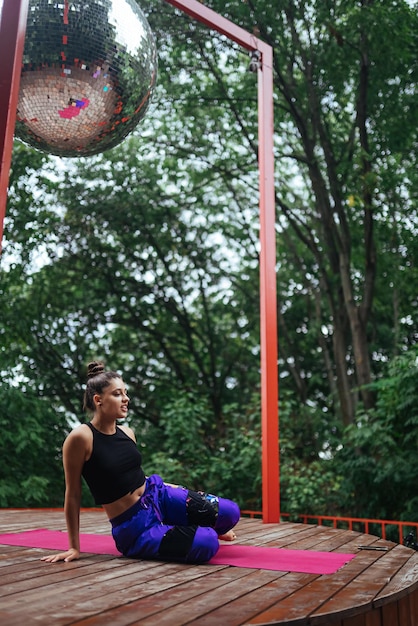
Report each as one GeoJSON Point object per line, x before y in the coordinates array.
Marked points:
{"type": "Point", "coordinates": [75, 450]}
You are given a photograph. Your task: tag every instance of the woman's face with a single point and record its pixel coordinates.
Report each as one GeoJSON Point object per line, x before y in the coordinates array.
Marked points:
{"type": "Point", "coordinates": [113, 401]}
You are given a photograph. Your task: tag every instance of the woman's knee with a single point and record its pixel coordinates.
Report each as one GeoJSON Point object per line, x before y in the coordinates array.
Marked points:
{"type": "Point", "coordinates": [228, 516]}
{"type": "Point", "coordinates": [205, 545]}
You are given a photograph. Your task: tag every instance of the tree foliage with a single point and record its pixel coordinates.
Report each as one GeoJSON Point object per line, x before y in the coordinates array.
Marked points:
{"type": "Point", "coordinates": [378, 456]}
{"type": "Point", "coordinates": [30, 471]}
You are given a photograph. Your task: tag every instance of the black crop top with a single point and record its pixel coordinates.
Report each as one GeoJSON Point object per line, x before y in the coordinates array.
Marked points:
{"type": "Point", "coordinates": [114, 468]}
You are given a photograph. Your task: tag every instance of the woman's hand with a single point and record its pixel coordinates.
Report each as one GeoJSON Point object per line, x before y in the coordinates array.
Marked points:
{"type": "Point", "coordinates": [71, 555]}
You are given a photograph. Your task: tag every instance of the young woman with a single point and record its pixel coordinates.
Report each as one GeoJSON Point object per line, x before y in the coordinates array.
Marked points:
{"type": "Point", "coordinates": [150, 519]}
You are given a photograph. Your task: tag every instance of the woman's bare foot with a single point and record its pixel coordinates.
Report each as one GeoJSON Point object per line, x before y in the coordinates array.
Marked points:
{"type": "Point", "coordinates": [229, 536]}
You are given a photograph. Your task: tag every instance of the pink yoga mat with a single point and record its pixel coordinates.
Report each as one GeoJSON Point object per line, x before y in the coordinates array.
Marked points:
{"type": "Point", "coordinates": [255, 557]}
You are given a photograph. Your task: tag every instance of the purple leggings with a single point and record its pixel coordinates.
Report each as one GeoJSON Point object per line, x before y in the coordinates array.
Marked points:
{"type": "Point", "coordinates": [173, 524]}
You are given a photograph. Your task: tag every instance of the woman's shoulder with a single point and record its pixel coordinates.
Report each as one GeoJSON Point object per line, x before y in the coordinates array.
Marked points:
{"type": "Point", "coordinates": [77, 448]}
{"type": "Point", "coordinates": [128, 431]}
{"type": "Point", "coordinates": [79, 434]}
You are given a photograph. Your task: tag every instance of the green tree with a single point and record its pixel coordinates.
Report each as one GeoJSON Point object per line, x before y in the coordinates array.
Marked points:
{"type": "Point", "coordinates": [381, 476]}
{"type": "Point", "coordinates": [123, 295]}
{"type": "Point", "coordinates": [30, 471]}
{"type": "Point", "coordinates": [334, 76]}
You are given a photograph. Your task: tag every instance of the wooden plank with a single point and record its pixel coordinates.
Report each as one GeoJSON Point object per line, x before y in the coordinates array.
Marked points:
{"type": "Point", "coordinates": [358, 595]}
{"type": "Point", "coordinates": [274, 534]}
{"type": "Point", "coordinates": [153, 598]}
{"type": "Point", "coordinates": [413, 604]}
{"type": "Point", "coordinates": [404, 610]}
{"type": "Point", "coordinates": [314, 536]}
{"type": "Point", "coordinates": [373, 618]}
{"type": "Point", "coordinates": [389, 614]}
{"type": "Point", "coordinates": [405, 581]}
{"type": "Point", "coordinates": [36, 579]}
{"type": "Point", "coordinates": [361, 539]}
{"type": "Point", "coordinates": [240, 608]}
{"type": "Point", "coordinates": [359, 620]}
{"type": "Point", "coordinates": [305, 601]}
{"type": "Point", "coordinates": [80, 581]}
{"type": "Point", "coordinates": [202, 606]}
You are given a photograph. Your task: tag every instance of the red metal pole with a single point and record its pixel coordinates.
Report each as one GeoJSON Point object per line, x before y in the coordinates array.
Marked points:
{"type": "Point", "coordinates": [12, 41]}
{"type": "Point", "coordinates": [217, 22]}
{"type": "Point", "coordinates": [268, 297]}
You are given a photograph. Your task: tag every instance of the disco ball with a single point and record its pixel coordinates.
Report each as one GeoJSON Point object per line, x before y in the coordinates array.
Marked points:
{"type": "Point", "coordinates": [88, 73]}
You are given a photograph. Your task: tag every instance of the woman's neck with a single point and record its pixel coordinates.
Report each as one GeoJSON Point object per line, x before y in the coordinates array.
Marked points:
{"type": "Point", "coordinates": [106, 428]}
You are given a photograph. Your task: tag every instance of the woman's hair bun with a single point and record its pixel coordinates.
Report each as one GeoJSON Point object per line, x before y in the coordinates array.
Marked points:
{"type": "Point", "coordinates": [94, 368]}
{"type": "Point", "coordinates": [97, 380]}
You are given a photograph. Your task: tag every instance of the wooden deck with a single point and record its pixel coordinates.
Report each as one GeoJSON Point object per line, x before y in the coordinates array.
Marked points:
{"type": "Point", "coordinates": [376, 588]}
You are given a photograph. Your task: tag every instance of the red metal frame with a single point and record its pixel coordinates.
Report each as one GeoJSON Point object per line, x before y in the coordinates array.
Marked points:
{"type": "Point", "coordinates": [11, 50]}
{"type": "Point", "coordinates": [358, 524]}
{"type": "Point", "coordinates": [12, 40]}
{"type": "Point", "coordinates": [354, 523]}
